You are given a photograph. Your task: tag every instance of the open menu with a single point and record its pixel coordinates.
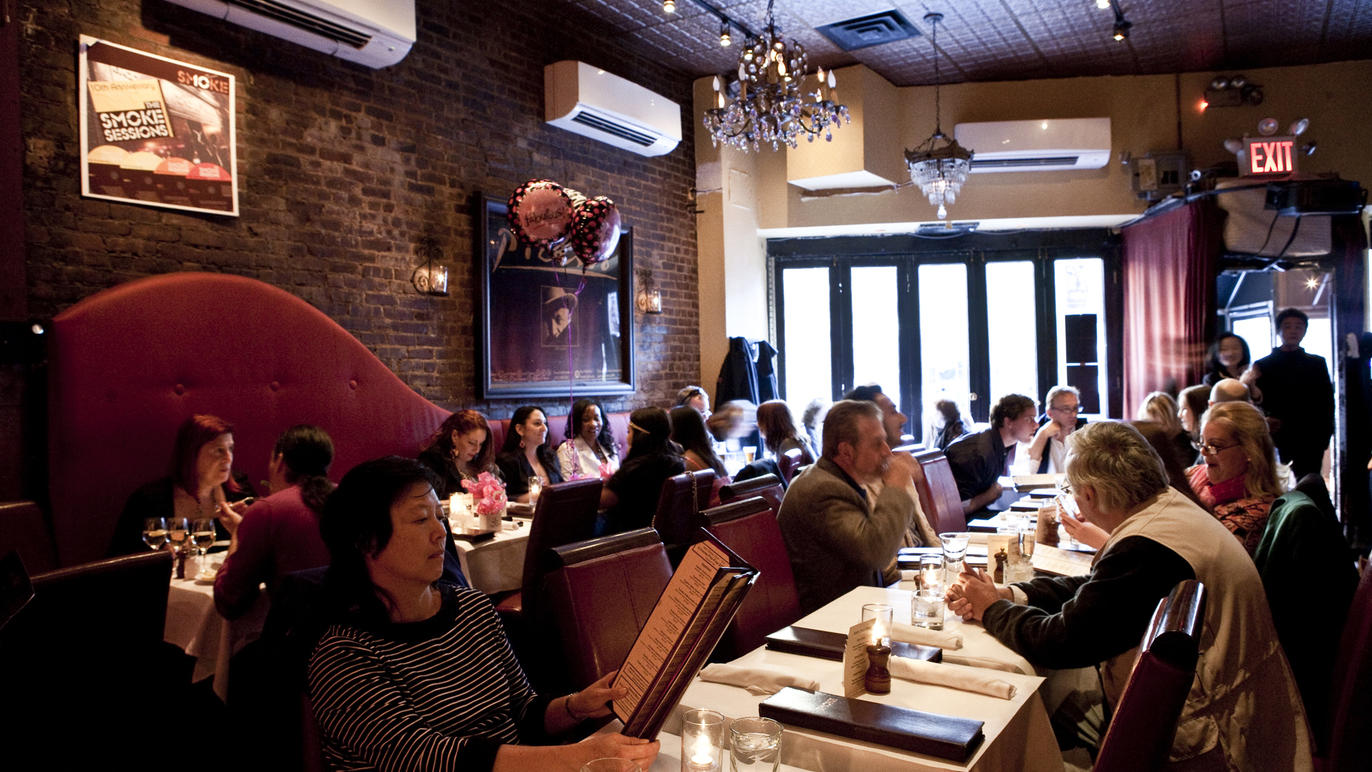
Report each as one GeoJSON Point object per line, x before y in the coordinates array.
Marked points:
{"type": "Point", "coordinates": [690, 617]}
{"type": "Point", "coordinates": [1061, 562]}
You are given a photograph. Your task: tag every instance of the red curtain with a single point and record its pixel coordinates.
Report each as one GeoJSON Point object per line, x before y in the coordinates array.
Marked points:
{"type": "Point", "coordinates": [1170, 266]}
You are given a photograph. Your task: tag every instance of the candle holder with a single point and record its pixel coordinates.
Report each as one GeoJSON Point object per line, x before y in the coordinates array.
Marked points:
{"type": "Point", "coordinates": [881, 631]}
{"type": "Point", "coordinates": [878, 678]}
{"type": "Point", "coordinates": [702, 740]}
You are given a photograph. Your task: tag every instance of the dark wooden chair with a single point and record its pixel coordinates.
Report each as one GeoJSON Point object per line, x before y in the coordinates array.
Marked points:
{"type": "Point", "coordinates": [790, 461]}
{"type": "Point", "coordinates": [749, 528]}
{"type": "Point", "coordinates": [681, 499]}
{"type": "Point", "coordinates": [938, 494]}
{"type": "Point", "coordinates": [597, 596]}
{"type": "Point", "coordinates": [767, 486]}
{"type": "Point", "coordinates": [565, 513]}
{"type": "Point", "coordinates": [1145, 719]}
{"type": "Point", "coordinates": [1350, 712]}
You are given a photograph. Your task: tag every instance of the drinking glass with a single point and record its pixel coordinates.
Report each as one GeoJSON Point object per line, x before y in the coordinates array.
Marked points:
{"type": "Point", "coordinates": [178, 531]}
{"type": "Point", "coordinates": [881, 631]}
{"type": "Point", "coordinates": [202, 538]}
{"type": "Point", "coordinates": [749, 452]}
{"type": "Point", "coordinates": [610, 765]}
{"type": "Point", "coordinates": [954, 550]}
{"type": "Point", "coordinates": [155, 532]}
{"type": "Point", "coordinates": [755, 745]}
{"type": "Point", "coordinates": [535, 488]}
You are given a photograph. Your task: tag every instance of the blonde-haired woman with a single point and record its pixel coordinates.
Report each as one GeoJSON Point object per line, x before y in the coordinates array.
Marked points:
{"type": "Point", "coordinates": [1238, 479]}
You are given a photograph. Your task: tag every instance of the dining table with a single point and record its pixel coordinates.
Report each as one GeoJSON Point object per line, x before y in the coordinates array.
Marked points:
{"type": "Point", "coordinates": [196, 626]}
{"type": "Point", "coordinates": [494, 563]}
{"type": "Point", "coordinates": [1018, 735]}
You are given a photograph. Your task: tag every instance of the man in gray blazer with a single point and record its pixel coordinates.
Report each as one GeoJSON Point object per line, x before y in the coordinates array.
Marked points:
{"type": "Point", "coordinates": [837, 536]}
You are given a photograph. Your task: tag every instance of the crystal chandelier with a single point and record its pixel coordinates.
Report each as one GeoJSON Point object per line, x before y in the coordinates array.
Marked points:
{"type": "Point", "coordinates": [940, 165]}
{"type": "Point", "coordinates": [771, 107]}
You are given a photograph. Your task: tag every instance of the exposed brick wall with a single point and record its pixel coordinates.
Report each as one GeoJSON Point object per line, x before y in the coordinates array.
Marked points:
{"type": "Point", "coordinates": [345, 169]}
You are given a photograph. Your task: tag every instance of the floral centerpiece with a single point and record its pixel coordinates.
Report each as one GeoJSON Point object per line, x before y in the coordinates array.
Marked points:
{"type": "Point", "coordinates": [488, 495]}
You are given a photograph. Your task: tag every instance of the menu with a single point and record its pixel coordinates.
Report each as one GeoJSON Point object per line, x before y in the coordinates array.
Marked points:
{"type": "Point", "coordinates": [690, 617]}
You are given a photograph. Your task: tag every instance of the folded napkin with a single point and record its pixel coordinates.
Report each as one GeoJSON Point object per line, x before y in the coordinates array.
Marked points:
{"type": "Point", "coordinates": [757, 680]}
{"type": "Point", "coordinates": [923, 636]}
{"type": "Point", "coordinates": [953, 676]}
{"type": "Point", "coordinates": [987, 663]}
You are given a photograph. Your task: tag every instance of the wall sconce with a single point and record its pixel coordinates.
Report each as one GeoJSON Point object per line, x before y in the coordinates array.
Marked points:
{"type": "Point", "coordinates": [430, 277]}
{"type": "Point", "coordinates": [1231, 91]}
{"type": "Point", "coordinates": [649, 298]}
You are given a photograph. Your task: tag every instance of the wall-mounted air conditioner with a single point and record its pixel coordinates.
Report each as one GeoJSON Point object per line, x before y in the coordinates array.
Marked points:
{"type": "Point", "coordinates": [592, 102]}
{"type": "Point", "coordinates": [377, 33]}
{"type": "Point", "coordinates": [1036, 146]}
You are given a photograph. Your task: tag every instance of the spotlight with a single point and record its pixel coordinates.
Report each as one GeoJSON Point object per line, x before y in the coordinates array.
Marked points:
{"type": "Point", "coordinates": [1267, 127]}
{"type": "Point", "coordinates": [1122, 29]}
{"type": "Point", "coordinates": [724, 40]}
{"type": "Point", "coordinates": [1104, 5]}
{"type": "Point", "coordinates": [1298, 127]}
{"type": "Point", "coordinates": [669, 6]}
{"type": "Point", "coordinates": [1220, 83]}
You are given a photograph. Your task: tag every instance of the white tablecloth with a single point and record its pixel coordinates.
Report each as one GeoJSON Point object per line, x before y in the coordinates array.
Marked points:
{"type": "Point", "coordinates": [497, 564]}
{"type": "Point", "coordinates": [1018, 734]}
{"type": "Point", "coordinates": [195, 625]}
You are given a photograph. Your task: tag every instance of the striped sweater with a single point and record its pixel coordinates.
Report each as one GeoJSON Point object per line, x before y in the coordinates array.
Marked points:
{"type": "Point", "coordinates": [443, 693]}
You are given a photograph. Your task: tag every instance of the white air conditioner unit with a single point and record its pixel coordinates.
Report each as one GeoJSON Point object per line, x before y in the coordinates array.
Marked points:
{"type": "Point", "coordinates": [1036, 146]}
{"type": "Point", "coordinates": [592, 102]}
{"type": "Point", "coordinates": [377, 33]}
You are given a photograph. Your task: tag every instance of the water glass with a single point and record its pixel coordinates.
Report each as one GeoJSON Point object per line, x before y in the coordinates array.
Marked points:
{"type": "Point", "coordinates": [954, 550]}
{"type": "Point", "coordinates": [926, 609]}
{"type": "Point", "coordinates": [881, 631]}
{"type": "Point", "coordinates": [535, 488]}
{"type": "Point", "coordinates": [610, 765]}
{"type": "Point", "coordinates": [755, 745]}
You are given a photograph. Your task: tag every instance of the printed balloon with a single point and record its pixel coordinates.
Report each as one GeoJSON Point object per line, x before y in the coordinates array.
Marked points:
{"type": "Point", "coordinates": [540, 212]}
{"type": "Point", "coordinates": [595, 230]}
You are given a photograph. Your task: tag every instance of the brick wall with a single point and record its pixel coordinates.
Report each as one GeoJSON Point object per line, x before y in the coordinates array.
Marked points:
{"type": "Point", "coordinates": [345, 169]}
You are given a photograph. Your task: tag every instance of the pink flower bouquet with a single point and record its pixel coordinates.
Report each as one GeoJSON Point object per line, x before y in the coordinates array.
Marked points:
{"type": "Point", "coordinates": [488, 492]}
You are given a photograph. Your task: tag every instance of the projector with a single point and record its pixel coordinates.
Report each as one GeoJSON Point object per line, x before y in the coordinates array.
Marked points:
{"type": "Point", "coordinates": [1315, 197]}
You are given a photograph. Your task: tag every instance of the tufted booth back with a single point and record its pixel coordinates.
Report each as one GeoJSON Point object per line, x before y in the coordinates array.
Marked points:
{"type": "Point", "coordinates": [129, 364]}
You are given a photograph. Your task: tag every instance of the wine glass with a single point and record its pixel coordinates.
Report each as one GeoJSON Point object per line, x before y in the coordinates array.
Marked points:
{"type": "Point", "coordinates": [202, 537]}
{"type": "Point", "coordinates": [178, 531]}
{"type": "Point", "coordinates": [155, 532]}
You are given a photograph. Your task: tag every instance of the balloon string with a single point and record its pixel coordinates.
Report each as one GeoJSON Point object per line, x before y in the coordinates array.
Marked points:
{"type": "Point", "coordinates": [571, 353]}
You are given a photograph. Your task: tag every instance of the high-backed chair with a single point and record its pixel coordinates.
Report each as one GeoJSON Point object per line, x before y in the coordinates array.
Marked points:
{"type": "Point", "coordinates": [1350, 713]}
{"type": "Point", "coordinates": [767, 486]}
{"type": "Point", "coordinates": [790, 461]}
{"type": "Point", "coordinates": [565, 513]}
{"type": "Point", "coordinates": [597, 596]}
{"type": "Point", "coordinates": [1146, 715]}
{"type": "Point", "coordinates": [682, 497]}
{"type": "Point", "coordinates": [92, 633]}
{"type": "Point", "coordinates": [1300, 540]}
{"type": "Point", "coordinates": [749, 528]}
{"type": "Point", "coordinates": [938, 494]}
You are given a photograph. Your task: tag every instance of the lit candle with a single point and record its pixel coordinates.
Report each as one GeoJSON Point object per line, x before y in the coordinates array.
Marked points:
{"type": "Point", "coordinates": [701, 740]}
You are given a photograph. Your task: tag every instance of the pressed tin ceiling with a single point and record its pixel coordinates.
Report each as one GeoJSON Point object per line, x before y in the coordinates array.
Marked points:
{"type": "Point", "coordinates": [997, 40]}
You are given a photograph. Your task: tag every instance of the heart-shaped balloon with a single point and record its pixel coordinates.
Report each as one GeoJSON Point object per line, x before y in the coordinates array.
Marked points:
{"type": "Point", "coordinates": [595, 230]}
{"type": "Point", "coordinates": [540, 212]}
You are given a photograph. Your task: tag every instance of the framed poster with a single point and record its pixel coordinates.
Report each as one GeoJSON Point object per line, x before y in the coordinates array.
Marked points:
{"type": "Point", "coordinates": [156, 131]}
{"type": "Point", "coordinates": [544, 329]}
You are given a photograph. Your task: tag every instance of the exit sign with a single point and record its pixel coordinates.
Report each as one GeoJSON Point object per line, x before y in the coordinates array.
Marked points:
{"type": "Point", "coordinates": [1270, 155]}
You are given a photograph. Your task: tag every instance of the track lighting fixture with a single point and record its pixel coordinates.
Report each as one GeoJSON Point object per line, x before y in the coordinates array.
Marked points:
{"type": "Point", "coordinates": [669, 6]}
{"type": "Point", "coordinates": [1122, 26]}
{"type": "Point", "coordinates": [724, 39]}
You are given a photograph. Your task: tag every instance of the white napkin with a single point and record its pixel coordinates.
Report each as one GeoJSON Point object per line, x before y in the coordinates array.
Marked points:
{"type": "Point", "coordinates": [953, 676]}
{"type": "Point", "coordinates": [987, 663]}
{"type": "Point", "coordinates": [923, 636]}
{"type": "Point", "coordinates": [757, 680]}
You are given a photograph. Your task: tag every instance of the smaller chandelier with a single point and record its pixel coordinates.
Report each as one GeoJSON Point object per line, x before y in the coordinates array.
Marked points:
{"type": "Point", "coordinates": [771, 107]}
{"type": "Point", "coordinates": [940, 165]}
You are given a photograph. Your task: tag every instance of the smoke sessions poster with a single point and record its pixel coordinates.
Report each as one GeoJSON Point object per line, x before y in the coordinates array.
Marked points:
{"type": "Point", "coordinates": [156, 131]}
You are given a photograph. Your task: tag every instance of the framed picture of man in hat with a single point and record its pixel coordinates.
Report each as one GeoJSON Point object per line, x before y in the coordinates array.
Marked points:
{"type": "Point", "coordinates": [546, 324]}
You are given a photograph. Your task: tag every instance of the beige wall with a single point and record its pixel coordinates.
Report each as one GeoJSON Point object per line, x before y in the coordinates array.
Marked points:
{"type": "Point", "coordinates": [1147, 113]}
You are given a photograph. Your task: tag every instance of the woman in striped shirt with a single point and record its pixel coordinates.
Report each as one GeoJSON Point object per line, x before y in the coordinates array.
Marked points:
{"type": "Point", "coordinates": [420, 676]}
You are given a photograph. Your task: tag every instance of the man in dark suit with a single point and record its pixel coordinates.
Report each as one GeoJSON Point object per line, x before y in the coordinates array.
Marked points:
{"type": "Point", "coordinates": [837, 535]}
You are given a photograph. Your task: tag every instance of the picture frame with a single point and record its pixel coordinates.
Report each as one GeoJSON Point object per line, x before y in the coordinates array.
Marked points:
{"type": "Point", "coordinates": [539, 321]}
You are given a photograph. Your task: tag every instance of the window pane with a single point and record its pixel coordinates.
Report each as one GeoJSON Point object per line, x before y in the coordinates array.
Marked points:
{"type": "Point", "coordinates": [943, 341]}
{"type": "Point", "coordinates": [1012, 343]}
{"type": "Point", "coordinates": [809, 370]}
{"type": "Point", "coordinates": [876, 328]}
{"type": "Point", "coordinates": [1079, 289]}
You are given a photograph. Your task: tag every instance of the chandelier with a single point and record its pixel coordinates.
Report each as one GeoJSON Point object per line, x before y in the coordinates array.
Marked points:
{"type": "Point", "coordinates": [771, 107]}
{"type": "Point", "coordinates": [940, 165]}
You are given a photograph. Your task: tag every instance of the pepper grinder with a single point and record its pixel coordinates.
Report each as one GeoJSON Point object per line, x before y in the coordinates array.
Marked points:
{"type": "Point", "coordinates": [878, 678]}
